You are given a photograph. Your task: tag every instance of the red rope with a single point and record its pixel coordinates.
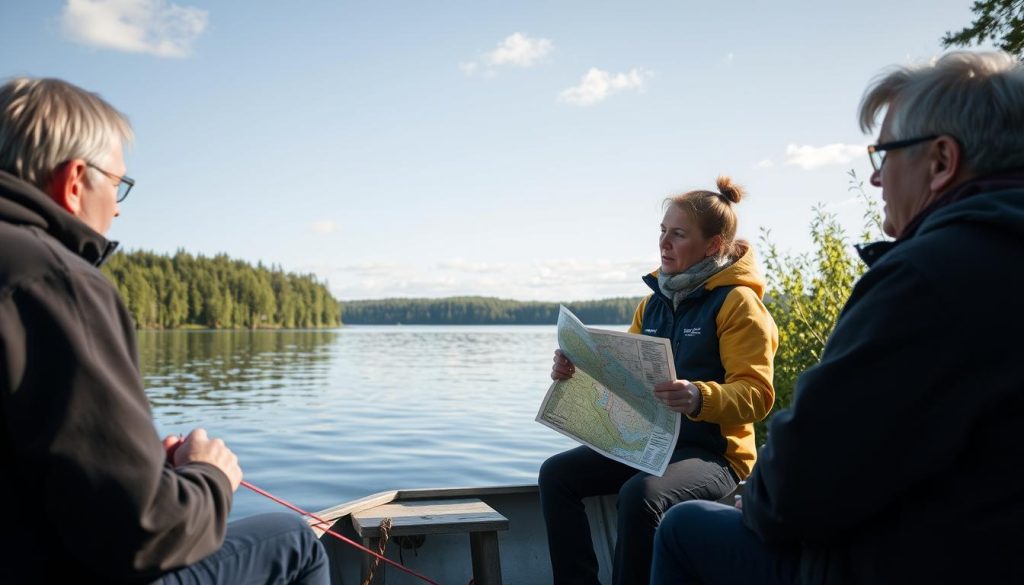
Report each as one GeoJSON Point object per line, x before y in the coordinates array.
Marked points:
{"type": "Point", "coordinates": [322, 523]}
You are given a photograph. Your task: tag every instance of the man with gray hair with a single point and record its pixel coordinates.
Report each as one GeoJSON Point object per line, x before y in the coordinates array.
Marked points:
{"type": "Point", "coordinates": [899, 460]}
{"type": "Point", "coordinates": [92, 494]}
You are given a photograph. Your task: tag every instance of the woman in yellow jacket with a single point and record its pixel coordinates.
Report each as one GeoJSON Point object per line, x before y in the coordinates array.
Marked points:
{"type": "Point", "coordinates": [706, 298]}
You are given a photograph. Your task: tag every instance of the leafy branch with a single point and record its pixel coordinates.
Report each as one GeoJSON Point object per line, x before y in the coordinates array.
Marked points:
{"type": "Point", "coordinates": [998, 21]}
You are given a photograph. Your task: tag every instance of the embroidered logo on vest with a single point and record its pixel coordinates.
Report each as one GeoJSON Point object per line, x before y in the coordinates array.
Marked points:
{"type": "Point", "coordinates": [650, 331]}
{"type": "Point", "coordinates": [691, 331]}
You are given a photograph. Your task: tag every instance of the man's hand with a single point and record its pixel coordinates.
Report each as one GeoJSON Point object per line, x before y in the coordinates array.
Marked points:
{"type": "Point", "coordinates": [171, 444]}
{"type": "Point", "coordinates": [562, 368]}
{"type": "Point", "coordinates": [681, 396]}
{"type": "Point", "coordinates": [199, 447]}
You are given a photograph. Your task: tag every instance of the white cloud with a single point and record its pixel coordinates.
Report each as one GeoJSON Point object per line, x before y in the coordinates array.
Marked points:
{"type": "Point", "coordinates": [597, 85]}
{"type": "Point", "coordinates": [811, 157]}
{"type": "Point", "coordinates": [324, 227]}
{"type": "Point", "coordinates": [730, 58]}
{"type": "Point", "coordinates": [764, 164]}
{"type": "Point", "coordinates": [517, 50]}
{"type": "Point", "coordinates": [156, 27]}
{"type": "Point", "coordinates": [604, 275]}
{"type": "Point", "coordinates": [460, 265]}
{"type": "Point", "coordinates": [550, 280]}
{"type": "Point", "coordinates": [368, 269]}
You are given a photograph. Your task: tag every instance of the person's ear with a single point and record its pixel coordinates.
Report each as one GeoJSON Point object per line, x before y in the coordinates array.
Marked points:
{"type": "Point", "coordinates": [67, 185]}
{"type": "Point", "coordinates": [714, 246]}
{"type": "Point", "coordinates": [946, 163]}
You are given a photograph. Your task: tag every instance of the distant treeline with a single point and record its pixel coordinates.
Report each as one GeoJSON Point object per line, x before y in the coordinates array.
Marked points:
{"type": "Point", "coordinates": [184, 290]}
{"type": "Point", "coordinates": [484, 311]}
{"type": "Point", "coordinates": [169, 292]}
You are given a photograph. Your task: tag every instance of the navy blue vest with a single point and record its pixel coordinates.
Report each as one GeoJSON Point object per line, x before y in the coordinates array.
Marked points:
{"type": "Point", "coordinates": [693, 330]}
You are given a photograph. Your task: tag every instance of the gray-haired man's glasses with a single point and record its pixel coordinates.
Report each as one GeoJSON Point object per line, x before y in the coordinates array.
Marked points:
{"type": "Point", "coordinates": [124, 183]}
{"type": "Point", "coordinates": [876, 152]}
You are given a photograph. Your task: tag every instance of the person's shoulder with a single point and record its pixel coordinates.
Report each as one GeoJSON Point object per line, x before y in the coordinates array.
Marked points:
{"type": "Point", "coordinates": [946, 267]}
{"type": "Point", "coordinates": [742, 296]}
{"type": "Point", "coordinates": [743, 304]}
{"type": "Point", "coordinates": [956, 247]}
{"type": "Point", "coordinates": [744, 293]}
{"type": "Point", "coordinates": [24, 255]}
{"type": "Point", "coordinates": [30, 255]}
{"type": "Point", "coordinates": [988, 227]}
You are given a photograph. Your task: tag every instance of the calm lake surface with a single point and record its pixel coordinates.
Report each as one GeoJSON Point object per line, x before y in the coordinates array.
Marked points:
{"type": "Point", "coordinates": [322, 417]}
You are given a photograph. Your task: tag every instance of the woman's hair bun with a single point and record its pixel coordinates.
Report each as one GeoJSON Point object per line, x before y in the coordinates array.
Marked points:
{"type": "Point", "coordinates": [729, 190]}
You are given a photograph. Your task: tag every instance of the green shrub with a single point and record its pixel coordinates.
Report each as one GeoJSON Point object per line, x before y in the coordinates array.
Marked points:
{"type": "Point", "coordinates": [806, 292]}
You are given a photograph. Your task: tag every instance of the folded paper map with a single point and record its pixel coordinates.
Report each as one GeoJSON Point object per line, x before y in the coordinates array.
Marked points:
{"type": "Point", "coordinates": [609, 403]}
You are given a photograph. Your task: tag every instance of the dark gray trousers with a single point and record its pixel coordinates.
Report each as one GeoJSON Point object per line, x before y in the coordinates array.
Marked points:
{"type": "Point", "coordinates": [565, 479]}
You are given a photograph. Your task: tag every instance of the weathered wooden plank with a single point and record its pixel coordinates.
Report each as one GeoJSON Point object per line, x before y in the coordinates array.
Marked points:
{"type": "Point", "coordinates": [332, 514]}
{"type": "Point", "coordinates": [429, 517]}
{"type": "Point", "coordinates": [346, 508]}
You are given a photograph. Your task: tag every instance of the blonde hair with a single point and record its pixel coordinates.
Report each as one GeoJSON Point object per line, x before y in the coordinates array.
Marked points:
{"type": "Point", "coordinates": [47, 122]}
{"type": "Point", "coordinates": [713, 211]}
{"type": "Point", "coordinates": [976, 97]}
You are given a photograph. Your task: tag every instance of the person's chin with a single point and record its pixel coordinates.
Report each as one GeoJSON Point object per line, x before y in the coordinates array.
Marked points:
{"type": "Point", "coordinates": [889, 229]}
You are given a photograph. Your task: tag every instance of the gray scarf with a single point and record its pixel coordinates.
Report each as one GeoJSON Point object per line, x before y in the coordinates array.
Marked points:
{"type": "Point", "coordinates": [681, 285]}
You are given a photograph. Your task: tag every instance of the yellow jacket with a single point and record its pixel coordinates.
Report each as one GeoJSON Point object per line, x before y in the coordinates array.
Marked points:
{"type": "Point", "coordinates": [736, 384]}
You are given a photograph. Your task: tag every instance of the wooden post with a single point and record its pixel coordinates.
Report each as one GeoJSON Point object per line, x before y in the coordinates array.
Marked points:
{"type": "Point", "coordinates": [483, 547]}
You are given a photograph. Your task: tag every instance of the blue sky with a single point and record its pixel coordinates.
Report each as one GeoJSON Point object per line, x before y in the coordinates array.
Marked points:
{"type": "Point", "coordinates": [511, 149]}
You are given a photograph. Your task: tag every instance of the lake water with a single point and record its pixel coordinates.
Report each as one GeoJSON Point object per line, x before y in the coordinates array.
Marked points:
{"type": "Point", "coordinates": [322, 417]}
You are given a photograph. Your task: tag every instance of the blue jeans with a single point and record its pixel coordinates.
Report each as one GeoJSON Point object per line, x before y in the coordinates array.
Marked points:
{"type": "Point", "coordinates": [278, 549]}
{"type": "Point", "coordinates": [707, 542]}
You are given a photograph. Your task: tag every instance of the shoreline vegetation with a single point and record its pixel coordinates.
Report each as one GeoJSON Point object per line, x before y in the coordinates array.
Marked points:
{"type": "Point", "coordinates": [187, 292]}
{"type": "Point", "coordinates": [477, 310]}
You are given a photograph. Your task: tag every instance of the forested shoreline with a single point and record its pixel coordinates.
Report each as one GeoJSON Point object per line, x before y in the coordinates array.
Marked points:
{"type": "Point", "coordinates": [193, 291]}
{"type": "Point", "coordinates": [477, 310]}
{"type": "Point", "coordinates": [169, 292]}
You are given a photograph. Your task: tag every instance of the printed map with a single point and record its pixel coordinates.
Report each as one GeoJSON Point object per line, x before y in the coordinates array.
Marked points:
{"type": "Point", "coordinates": [609, 403]}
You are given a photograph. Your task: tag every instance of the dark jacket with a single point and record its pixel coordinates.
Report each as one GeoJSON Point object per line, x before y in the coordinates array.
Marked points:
{"type": "Point", "coordinates": [900, 459]}
{"type": "Point", "coordinates": [84, 487]}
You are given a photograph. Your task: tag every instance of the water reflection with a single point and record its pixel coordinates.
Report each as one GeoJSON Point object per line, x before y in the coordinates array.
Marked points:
{"type": "Point", "coordinates": [230, 370]}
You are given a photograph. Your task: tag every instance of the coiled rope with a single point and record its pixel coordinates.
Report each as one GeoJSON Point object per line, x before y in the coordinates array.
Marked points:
{"type": "Point", "coordinates": [385, 533]}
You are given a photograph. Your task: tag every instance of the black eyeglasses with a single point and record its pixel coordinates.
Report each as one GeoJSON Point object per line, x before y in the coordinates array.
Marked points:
{"type": "Point", "coordinates": [124, 183]}
{"type": "Point", "coordinates": [876, 152]}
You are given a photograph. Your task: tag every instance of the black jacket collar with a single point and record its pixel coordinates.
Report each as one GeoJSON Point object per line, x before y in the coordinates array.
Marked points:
{"type": "Point", "coordinates": [1013, 179]}
{"type": "Point", "coordinates": [22, 203]}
